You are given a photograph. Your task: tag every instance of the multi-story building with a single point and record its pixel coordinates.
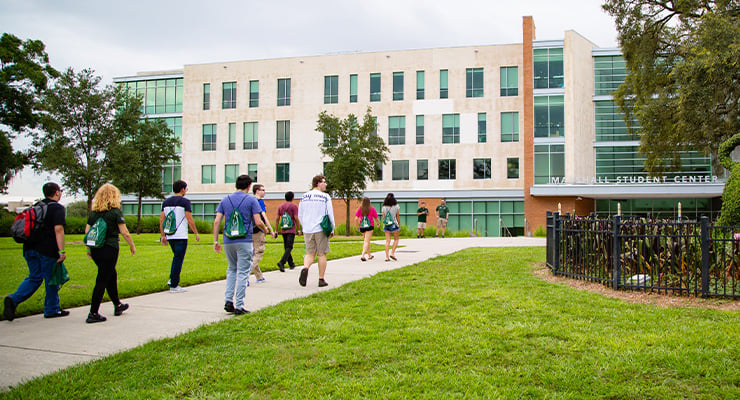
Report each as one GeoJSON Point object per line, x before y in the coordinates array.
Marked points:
{"type": "Point", "coordinates": [502, 132]}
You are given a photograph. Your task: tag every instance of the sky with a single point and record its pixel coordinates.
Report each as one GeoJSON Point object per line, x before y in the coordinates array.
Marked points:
{"type": "Point", "coordinates": [121, 38]}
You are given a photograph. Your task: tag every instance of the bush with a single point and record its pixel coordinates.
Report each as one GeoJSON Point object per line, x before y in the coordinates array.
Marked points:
{"type": "Point", "coordinates": [540, 232]}
{"type": "Point", "coordinates": [77, 209]}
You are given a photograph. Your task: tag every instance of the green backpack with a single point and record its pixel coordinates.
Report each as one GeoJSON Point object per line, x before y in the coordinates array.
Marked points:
{"type": "Point", "coordinates": [96, 235]}
{"type": "Point", "coordinates": [286, 222]}
{"type": "Point", "coordinates": [365, 222]}
{"type": "Point", "coordinates": [234, 227]}
{"type": "Point", "coordinates": [388, 219]}
{"type": "Point", "coordinates": [169, 226]}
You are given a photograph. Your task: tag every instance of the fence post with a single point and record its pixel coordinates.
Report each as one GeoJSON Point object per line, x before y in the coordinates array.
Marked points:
{"type": "Point", "coordinates": [556, 236]}
{"type": "Point", "coordinates": [616, 250]}
{"type": "Point", "coordinates": [704, 256]}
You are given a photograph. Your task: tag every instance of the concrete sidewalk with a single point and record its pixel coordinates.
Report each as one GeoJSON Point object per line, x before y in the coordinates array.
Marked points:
{"type": "Point", "coordinates": [33, 346]}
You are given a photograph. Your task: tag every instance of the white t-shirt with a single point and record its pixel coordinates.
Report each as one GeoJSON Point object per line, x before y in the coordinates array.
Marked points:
{"type": "Point", "coordinates": [312, 208]}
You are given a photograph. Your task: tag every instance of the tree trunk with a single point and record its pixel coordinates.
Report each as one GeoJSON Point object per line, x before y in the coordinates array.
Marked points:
{"type": "Point", "coordinates": [138, 217]}
{"type": "Point", "coordinates": [346, 202]}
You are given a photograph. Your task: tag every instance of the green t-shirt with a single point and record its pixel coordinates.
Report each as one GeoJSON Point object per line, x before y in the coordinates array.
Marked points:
{"type": "Point", "coordinates": [423, 216]}
{"type": "Point", "coordinates": [112, 218]}
{"type": "Point", "coordinates": [442, 211]}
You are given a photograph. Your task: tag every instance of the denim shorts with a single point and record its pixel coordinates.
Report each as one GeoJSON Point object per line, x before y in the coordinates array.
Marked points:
{"type": "Point", "coordinates": [391, 228]}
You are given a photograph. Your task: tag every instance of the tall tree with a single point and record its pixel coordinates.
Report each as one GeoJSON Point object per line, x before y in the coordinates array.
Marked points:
{"type": "Point", "coordinates": [24, 75]}
{"type": "Point", "coordinates": [355, 151]}
{"type": "Point", "coordinates": [137, 160]}
{"type": "Point", "coordinates": [683, 82]}
{"type": "Point", "coordinates": [80, 122]}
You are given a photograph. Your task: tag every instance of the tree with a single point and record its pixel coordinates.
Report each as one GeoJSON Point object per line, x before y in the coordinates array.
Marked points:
{"type": "Point", "coordinates": [355, 151]}
{"type": "Point", "coordinates": [24, 74]}
{"type": "Point", "coordinates": [80, 122]}
{"type": "Point", "coordinates": [683, 82]}
{"type": "Point", "coordinates": [138, 159]}
{"type": "Point", "coordinates": [77, 209]}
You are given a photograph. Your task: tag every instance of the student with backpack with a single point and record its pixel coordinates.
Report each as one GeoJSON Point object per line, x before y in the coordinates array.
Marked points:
{"type": "Point", "coordinates": [43, 247]}
{"type": "Point", "coordinates": [365, 218]}
{"type": "Point", "coordinates": [391, 226]}
{"type": "Point", "coordinates": [239, 209]}
{"type": "Point", "coordinates": [287, 222]}
{"type": "Point", "coordinates": [174, 220]}
{"type": "Point", "coordinates": [104, 224]}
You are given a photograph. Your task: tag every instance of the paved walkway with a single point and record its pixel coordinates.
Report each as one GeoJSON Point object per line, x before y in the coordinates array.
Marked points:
{"type": "Point", "coordinates": [33, 346]}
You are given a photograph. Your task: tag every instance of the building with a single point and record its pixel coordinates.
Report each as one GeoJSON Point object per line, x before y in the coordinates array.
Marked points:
{"type": "Point", "coordinates": [502, 132]}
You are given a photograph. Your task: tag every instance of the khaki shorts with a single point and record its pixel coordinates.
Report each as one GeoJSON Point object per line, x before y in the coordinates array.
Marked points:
{"type": "Point", "coordinates": [441, 222]}
{"type": "Point", "coordinates": [421, 225]}
{"type": "Point", "coordinates": [316, 243]}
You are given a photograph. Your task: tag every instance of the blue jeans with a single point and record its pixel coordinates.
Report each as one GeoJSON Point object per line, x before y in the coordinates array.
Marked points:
{"type": "Point", "coordinates": [39, 269]}
{"type": "Point", "coordinates": [288, 240]}
{"type": "Point", "coordinates": [239, 255]}
{"type": "Point", "coordinates": [179, 247]}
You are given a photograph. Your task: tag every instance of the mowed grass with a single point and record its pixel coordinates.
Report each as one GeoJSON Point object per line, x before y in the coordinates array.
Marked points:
{"type": "Point", "coordinates": [475, 325]}
{"type": "Point", "coordinates": [148, 270]}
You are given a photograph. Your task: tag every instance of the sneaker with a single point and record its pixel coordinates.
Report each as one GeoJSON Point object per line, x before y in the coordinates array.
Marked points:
{"type": "Point", "coordinates": [229, 307]}
{"type": "Point", "coordinates": [261, 280]}
{"type": "Point", "coordinates": [9, 311]}
{"type": "Point", "coordinates": [322, 283]}
{"type": "Point", "coordinates": [443, 236]}
{"type": "Point", "coordinates": [60, 313]}
{"type": "Point", "coordinates": [178, 289]}
{"type": "Point", "coordinates": [291, 266]}
{"type": "Point", "coordinates": [169, 282]}
{"type": "Point", "coordinates": [119, 309]}
{"type": "Point", "coordinates": [436, 236]}
{"type": "Point", "coordinates": [281, 267]}
{"type": "Point", "coordinates": [94, 317]}
{"type": "Point", "coordinates": [304, 276]}
{"type": "Point", "coordinates": [241, 311]}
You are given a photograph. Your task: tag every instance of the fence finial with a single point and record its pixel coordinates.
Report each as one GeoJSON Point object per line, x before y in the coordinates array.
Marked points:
{"type": "Point", "coordinates": [619, 208]}
{"type": "Point", "coordinates": [560, 209]}
{"type": "Point", "coordinates": [679, 210]}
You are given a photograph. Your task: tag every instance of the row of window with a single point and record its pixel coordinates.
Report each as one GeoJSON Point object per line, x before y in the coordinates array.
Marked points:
{"type": "Point", "coordinates": [474, 87]}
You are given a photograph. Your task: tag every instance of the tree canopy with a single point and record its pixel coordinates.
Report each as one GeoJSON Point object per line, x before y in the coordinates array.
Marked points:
{"type": "Point", "coordinates": [24, 75]}
{"type": "Point", "coordinates": [354, 150]}
{"type": "Point", "coordinates": [683, 82]}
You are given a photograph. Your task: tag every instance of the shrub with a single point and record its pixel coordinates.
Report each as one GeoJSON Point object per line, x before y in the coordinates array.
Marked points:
{"type": "Point", "coordinates": [540, 232]}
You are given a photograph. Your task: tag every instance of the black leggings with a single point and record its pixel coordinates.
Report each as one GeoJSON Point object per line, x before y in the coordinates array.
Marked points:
{"type": "Point", "coordinates": [105, 258]}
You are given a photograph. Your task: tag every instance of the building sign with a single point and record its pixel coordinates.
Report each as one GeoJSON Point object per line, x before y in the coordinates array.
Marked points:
{"type": "Point", "coordinates": [632, 180]}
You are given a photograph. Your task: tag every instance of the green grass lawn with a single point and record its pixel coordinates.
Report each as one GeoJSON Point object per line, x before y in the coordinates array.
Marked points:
{"type": "Point", "coordinates": [148, 270]}
{"type": "Point", "coordinates": [475, 324]}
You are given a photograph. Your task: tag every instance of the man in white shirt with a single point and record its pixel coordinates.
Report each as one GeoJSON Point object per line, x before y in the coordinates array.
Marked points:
{"type": "Point", "coordinates": [311, 210]}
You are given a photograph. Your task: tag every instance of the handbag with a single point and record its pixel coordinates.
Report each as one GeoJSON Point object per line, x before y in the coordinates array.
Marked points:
{"type": "Point", "coordinates": [59, 275]}
{"type": "Point", "coordinates": [326, 225]}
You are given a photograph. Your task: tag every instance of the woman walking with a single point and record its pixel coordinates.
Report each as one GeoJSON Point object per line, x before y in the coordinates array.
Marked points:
{"type": "Point", "coordinates": [365, 218]}
{"type": "Point", "coordinates": [107, 205]}
{"type": "Point", "coordinates": [391, 225]}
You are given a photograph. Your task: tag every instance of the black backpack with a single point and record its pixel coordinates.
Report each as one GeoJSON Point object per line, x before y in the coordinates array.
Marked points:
{"type": "Point", "coordinates": [29, 224]}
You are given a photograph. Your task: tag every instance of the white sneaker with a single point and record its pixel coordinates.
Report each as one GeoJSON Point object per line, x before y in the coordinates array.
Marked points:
{"type": "Point", "coordinates": [178, 289]}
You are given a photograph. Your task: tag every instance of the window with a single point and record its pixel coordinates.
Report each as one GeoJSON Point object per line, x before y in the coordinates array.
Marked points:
{"type": "Point", "coordinates": [610, 124]}
{"type": "Point", "coordinates": [170, 173]}
{"type": "Point", "coordinates": [398, 86]}
{"type": "Point", "coordinates": [482, 127]}
{"type": "Point", "coordinates": [249, 139]}
{"type": "Point", "coordinates": [207, 174]}
{"type": "Point", "coordinates": [609, 73]}
{"type": "Point", "coordinates": [512, 168]}
{"type": "Point", "coordinates": [283, 134]}
{"type": "Point", "coordinates": [510, 126]}
{"type": "Point", "coordinates": [252, 171]}
{"type": "Point", "coordinates": [443, 88]}
{"type": "Point", "coordinates": [375, 131]}
{"type": "Point", "coordinates": [231, 172]}
{"type": "Point", "coordinates": [353, 88]}
{"type": "Point", "coordinates": [548, 68]}
{"type": "Point", "coordinates": [419, 129]}
{"type": "Point", "coordinates": [400, 170]}
{"type": "Point", "coordinates": [232, 136]}
{"type": "Point", "coordinates": [419, 85]}
{"type": "Point", "coordinates": [206, 96]}
{"type": "Point", "coordinates": [331, 89]}
{"type": "Point", "coordinates": [378, 171]}
{"type": "Point", "coordinates": [474, 82]}
{"type": "Point", "coordinates": [228, 100]}
{"type": "Point", "coordinates": [549, 116]}
{"type": "Point", "coordinates": [282, 172]}
{"type": "Point", "coordinates": [549, 162]}
{"type": "Point", "coordinates": [283, 95]}
{"type": "Point", "coordinates": [482, 168]}
{"type": "Point", "coordinates": [209, 137]}
{"type": "Point", "coordinates": [397, 130]}
{"type": "Point", "coordinates": [254, 94]}
{"type": "Point", "coordinates": [509, 81]}
{"type": "Point", "coordinates": [160, 95]}
{"type": "Point", "coordinates": [422, 170]}
{"type": "Point", "coordinates": [450, 128]}
{"type": "Point", "coordinates": [447, 169]}
{"type": "Point", "coordinates": [374, 87]}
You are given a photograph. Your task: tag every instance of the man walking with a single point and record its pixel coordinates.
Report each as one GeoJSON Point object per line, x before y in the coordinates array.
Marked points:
{"type": "Point", "coordinates": [41, 255]}
{"type": "Point", "coordinates": [421, 223]}
{"type": "Point", "coordinates": [176, 209]}
{"type": "Point", "coordinates": [311, 210]}
{"type": "Point", "coordinates": [442, 214]}
{"type": "Point", "coordinates": [258, 237]}
{"type": "Point", "coordinates": [239, 248]}
{"type": "Point", "coordinates": [287, 220]}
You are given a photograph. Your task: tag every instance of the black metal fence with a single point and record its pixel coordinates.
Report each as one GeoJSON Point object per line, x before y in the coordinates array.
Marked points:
{"type": "Point", "coordinates": [665, 256]}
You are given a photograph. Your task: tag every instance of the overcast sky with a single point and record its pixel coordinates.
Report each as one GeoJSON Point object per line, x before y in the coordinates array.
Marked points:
{"type": "Point", "coordinates": [121, 38]}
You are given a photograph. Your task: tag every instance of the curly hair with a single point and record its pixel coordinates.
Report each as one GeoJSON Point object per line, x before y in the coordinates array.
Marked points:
{"type": "Point", "coordinates": [107, 197]}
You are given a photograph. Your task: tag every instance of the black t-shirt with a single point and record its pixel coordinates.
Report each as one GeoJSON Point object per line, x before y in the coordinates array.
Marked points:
{"type": "Point", "coordinates": [112, 218]}
{"type": "Point", "coordinates": [47, 243]}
